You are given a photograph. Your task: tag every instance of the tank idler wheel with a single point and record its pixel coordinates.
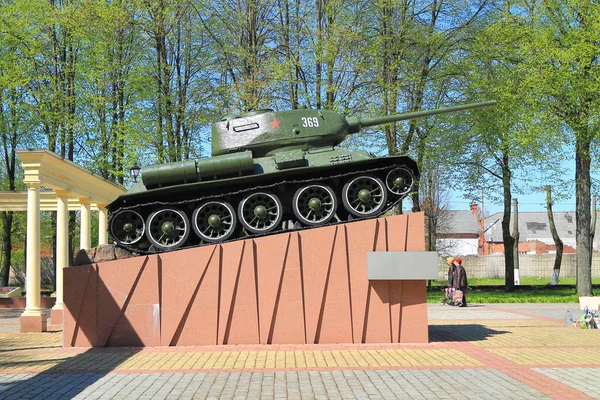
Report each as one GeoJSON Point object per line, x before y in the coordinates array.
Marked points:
{"type": "Point", "coordinates": [127, 227]}
{"type": "Point", "coordinates": [400, 181]}
{"type": "Point", "coordinates": [260, 212]}
{"type": "Point", "coordinates": [364, 196]}
{"type": "Point", "coordinates": [168, 228]}
{"type": "Point", "coordinates": [314, 204]}
{"type": "Point", "coordinates": [214, 221]}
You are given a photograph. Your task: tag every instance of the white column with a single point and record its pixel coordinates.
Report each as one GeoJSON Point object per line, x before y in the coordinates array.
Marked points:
{"type": "Point", "coordinates": [102, 225]}
{"type": "Point", "coordinates": [85, 241]}
{"type": "Point", "coordinates": [33, 273]}
{"type": "Point", "coordinates": [62, 244]}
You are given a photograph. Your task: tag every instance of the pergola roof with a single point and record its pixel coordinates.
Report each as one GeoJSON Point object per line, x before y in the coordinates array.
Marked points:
{"type": "Point", "coordinates": [46, 168]}
{"type": "Point", "coordinates": [17, 201]}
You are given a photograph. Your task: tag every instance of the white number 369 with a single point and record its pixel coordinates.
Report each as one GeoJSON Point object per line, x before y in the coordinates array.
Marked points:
{"type": "Point", "coordinates": [310, 122]}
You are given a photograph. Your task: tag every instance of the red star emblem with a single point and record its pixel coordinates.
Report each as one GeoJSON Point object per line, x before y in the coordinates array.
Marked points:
{"type": "Point", "coordinates": [275, 123]}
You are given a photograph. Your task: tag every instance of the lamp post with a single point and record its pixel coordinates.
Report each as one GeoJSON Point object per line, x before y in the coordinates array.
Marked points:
{"type": "Point", "coordinates": [135, 171]}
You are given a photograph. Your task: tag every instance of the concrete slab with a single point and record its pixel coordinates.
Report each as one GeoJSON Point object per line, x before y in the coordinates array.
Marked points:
{"type": "Point", "coordinates": [484, 351]}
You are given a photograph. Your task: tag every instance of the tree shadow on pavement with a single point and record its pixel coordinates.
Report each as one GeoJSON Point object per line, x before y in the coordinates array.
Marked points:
{"type": "Point", "coordinates": [461, 333]}
{"type": "Point", "coordinates": [51, 372]}
{"type": "Point", "coordinates": [36, 370]}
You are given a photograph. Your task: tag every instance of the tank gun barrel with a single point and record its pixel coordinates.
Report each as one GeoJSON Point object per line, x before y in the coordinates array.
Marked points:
{"type": "Point", "coordinates": [356, 124]}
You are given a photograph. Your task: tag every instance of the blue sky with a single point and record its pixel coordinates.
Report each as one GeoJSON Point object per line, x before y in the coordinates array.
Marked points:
{"type": "Point", "coordinates": [532, 201]}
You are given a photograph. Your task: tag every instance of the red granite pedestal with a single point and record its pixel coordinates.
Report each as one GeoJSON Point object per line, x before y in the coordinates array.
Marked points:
{"type": "Point", "coordinates": [56, 320]}
{"type": "Point", "coordinates": [298, 287]}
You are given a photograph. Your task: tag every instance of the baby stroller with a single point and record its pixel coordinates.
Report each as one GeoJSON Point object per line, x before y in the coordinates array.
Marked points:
{"type": "Point", "coordinates": [457, 297]}
{"type": "Point", "coordinates": [448, 296]}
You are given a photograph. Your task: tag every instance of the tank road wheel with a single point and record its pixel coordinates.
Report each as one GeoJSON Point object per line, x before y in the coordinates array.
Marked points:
{"type": "Point", "coordinates": [364, 196]}
{"type": "Point", "coordinates": [400, 181]}
{"type": "Point", "coordinates": [260, 212]}
{"type": "Point", "coordinates": [314, 204]}
{"type": "Point", "coordinates": [127, 227]}
{"type": "Point", "coordinates": [214, 221]}
{"type": "Point", "coordinates": [168, 228]}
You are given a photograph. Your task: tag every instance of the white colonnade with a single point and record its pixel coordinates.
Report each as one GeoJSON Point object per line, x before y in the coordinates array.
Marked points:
{"type": "Point", "coordinates": [67, 187]}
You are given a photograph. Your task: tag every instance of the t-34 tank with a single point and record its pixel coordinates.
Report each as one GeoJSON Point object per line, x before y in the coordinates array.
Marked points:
{"type": "Point", "coordinates": [269, 171]}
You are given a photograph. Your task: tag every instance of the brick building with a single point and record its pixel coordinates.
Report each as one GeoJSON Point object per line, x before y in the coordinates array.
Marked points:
{"type": "Point", "coordinates": [459, 232]}
{"type": "Point", "coordinates": [534, 232]}
{"type": "Point", "coordinates": [464, 233]}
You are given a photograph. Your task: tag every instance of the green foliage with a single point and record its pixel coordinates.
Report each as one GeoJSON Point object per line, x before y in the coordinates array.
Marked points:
{"type": "Point", "coordinates": [513, 137]}
{"type": "Point", "coordinates": [367, 58]}
{"type": "Point", "coordinates": [564, 70]}
{"type": "Point", "coordinates": [109, 83]}
{"type": "Point", "coordinates": [18, 266]}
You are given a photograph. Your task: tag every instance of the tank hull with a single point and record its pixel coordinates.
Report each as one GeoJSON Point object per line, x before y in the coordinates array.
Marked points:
{"type": "Point", "coordinates": [283, 183]}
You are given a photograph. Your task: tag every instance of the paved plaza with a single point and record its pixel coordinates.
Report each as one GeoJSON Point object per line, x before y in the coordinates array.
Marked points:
{"type": "Point", "coordinates": [493, 351]}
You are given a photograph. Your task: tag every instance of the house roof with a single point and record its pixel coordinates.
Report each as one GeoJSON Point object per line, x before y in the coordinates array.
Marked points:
{"type": "Point", "coordinates": [457, 222]}
{"type": "Point", "coordinates": [533, 226]}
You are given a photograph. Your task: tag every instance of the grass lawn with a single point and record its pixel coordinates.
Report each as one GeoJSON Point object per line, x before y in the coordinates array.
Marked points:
{"type": "Point", "coordinates": [533, 295]}
{"type": "Point", "coordinates": [532, 290]}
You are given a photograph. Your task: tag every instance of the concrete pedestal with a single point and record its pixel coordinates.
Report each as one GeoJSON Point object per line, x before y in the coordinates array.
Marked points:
{"type": "Point", "coordinates": [56, 316]}
{"type": "Point", "coordinates": [297, 287]}
{"type": "Point", "coordinates": [33, 323]}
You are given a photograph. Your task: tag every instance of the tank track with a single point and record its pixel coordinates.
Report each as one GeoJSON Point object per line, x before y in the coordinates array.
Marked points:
{"type": "Point", "coordinates": [279, 188]}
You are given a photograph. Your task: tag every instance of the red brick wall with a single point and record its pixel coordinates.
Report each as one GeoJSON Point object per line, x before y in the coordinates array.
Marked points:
{"type": "Point", "coordinates": [532, 246]}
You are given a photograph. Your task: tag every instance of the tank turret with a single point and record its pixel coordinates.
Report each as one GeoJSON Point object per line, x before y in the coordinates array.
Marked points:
{"type": "Point", "coordinates": [265, 131]}
{"type": "Point", "coordinates": [269, 171]}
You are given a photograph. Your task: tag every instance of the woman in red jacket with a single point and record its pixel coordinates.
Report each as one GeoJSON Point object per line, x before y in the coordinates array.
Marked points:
{"type": "Point", "coordinates": [459, 280]}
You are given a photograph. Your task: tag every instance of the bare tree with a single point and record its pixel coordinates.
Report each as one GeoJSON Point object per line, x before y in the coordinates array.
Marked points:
{"type": "Point", "coordinates": [557, 240]}
{"type": "Point", "coordinates": [435, 202]}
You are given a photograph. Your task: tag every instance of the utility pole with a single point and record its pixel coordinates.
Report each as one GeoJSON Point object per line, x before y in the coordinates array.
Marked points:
{"type": "Point", "coordinates": [482, 226]}
{"type": "Point", "coordinates": [515, 236]}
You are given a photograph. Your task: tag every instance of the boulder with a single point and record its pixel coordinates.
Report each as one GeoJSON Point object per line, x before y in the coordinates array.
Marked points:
{"type": "Point", "coordinates": [121, 253]}
{"type": "Point", "coordinates": [105, 252]}
{"type": "Point", "coordinates": [84, 257]}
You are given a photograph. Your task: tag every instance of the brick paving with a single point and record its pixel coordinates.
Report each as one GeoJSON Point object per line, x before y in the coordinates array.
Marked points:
{"type": "Point", "coordinates": [480, 352]}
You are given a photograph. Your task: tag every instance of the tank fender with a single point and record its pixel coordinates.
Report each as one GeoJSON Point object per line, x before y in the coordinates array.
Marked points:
{"type": "Point", "coordinates": [226, 165]}
{"type": "Point", "coordinates": [204, 169]}
{"type": "Point", "coordinates": [159, 175]}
